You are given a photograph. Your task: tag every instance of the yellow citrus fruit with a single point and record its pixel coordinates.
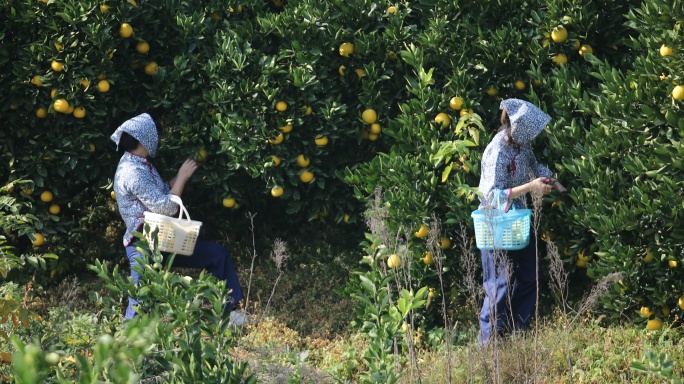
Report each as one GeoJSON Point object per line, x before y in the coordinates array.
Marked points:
{"type": "Point", "coordinates": [281, 106]}
{"type": "Point", "coordinates": [576, 44]}
{"type": "Point", "coordinates": [580, 256]}
{"type": "Point", "coordinates": [61, 105]}
{"type": "Point", "coordinates": [375, 129]}
{"type": "Point", "coordinates": [142, 47]}
{"type": "Point", "coordinates": [277, 140]}
{"type": "Point", "coordinates": [276, 161]}
{"type": "Point", "coordinates": [101, 76]}
{"type": "Point", "coordinates": [519, 85]}
{"type": "Point", "coordinates": [27, 191]}
{"type": "Point", "coordinates": [422, 232]}
{"type": "Point", "coordinates": [646, 311]}
{"type": "Point", "coordinates": [53, 93]}
{"type": "Point", "coordinates": [427, 258]}
{"type": "Point", "coordinates": [79, 112]}
{"type": "Point", "coordinates": [393, 261]}
{"type": "Point", "coordinates": [133, 3]}
{"type": "Point", "coordinates": [666, 51]}
{"type": "Point", "coordinates": [678, 92]}
{"type": "Point", "coordinates": [392, 10]}
{"type": "Point", "coordinates": [456, 103]}
{"type": "Point", "coordinates": [493, 91]}
{"type": "Point", "coordinates": [585, 48]}
{"type": "Point", "coordinates": [345, 218]}
{"type": "Point", "coordinates": [321, 140]}
{"type": "Point", "coordinates": [581, 263]}
{"type": "Point", "coordinates": [360, 72]}
{"type": "Point", "coordinates": [91, 147]}
{"type": "Point", "coordinates": [202, 155]}
{"type": "Point", "coordinates": [672, 263]}
{"type": "Point", "coordinates": [113, 195]}
{"type": "Point", "coordinates": [308, 111]}
{"type": "Point", "coordinates": [286, 128]}
{"type": "Point", "coordinates": [536, 82]}
{"type": "Point", "coordinates": [444, 242]}
{"type": "Point", "coordinates": [125, 30]}
{"type": "Point", "coordinates": [41, 113]}
{"type": "Point", "coordinates": [443, 119]}
{"type": "Point", "coordinates": [54, 209]}
{"type": "Point", "coordinates": [70, 110]}
{"type": "Point", "coordinates": [306, 176]}
{"type": "Point", "coordinates": [346, 49]}
{"type": "Point", "coordinates": [303, 161]}
{"type": "Point", "coordinates": [228, 202]}
{"type": "Point", "coordinates": [46, 196]}
{"type": "Point", "coordinates": [559, 34]}
{"type": "Point", "coordinates": [680, 302]}
{"type": "Point", "coordinates": [35, 80]}
{"type": "Point", "coordinates": [466, 111]}
{"type": "Point", "coordinates": [59, 47]}
{"type": "Point", "coordinates": [665, 310]}
{"type": "Point", "coordinates": [649, 256]}
{"type": "Point", "coordinates": [151, 68]}
{"type": "Point", "coordinates": [85, 83]}
{"type": "Point", "coordinates": [277, 191]}
{"type": "Point", "coordinates": [40, 239]}
{"type": "Point", "coordinates": [57, 66]}
{"type": "Point", "coordinates": [104, 8]}
{"type": "Point", "coordinates": [560, 59]}
{"type": "Point", "coordinates": [341, 69]}
{"type": "Point", "coordinates": [654, 324]}
{"type": "Point", "coordinates": [103, 86]}
{"type": "Point", "coordinates": [545, 42]}
{"type": "Point", "coordinates": [369, 116]}
{"type": "Point", "coordinates": [372, 136]}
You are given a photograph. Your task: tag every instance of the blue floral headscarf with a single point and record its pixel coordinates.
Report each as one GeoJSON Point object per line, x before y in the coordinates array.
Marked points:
{"type": "Point", "coordinates": [143, 129]}
{"type": "Point", "coordinates": [527, 120]}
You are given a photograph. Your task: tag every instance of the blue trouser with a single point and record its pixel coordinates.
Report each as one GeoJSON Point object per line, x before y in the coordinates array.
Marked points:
{"type": "Point", "coordinates": [509, 301]}
{"type": "Point", "coordinates": [213, 257]}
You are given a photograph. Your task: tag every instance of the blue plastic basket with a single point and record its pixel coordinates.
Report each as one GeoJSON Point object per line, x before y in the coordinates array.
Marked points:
{"type": "Point", "coordinates": [498, 230]}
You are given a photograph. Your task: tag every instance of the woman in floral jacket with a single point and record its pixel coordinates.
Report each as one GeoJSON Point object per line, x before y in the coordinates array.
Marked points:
{"type": "Point", "coordinates": [139, 188]}
{"type": "Point", "coordinates": [509, 172]}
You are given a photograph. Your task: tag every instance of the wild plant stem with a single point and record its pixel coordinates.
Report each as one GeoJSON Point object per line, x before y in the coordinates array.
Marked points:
{"type": "Point", "coordinates": [251, 216]}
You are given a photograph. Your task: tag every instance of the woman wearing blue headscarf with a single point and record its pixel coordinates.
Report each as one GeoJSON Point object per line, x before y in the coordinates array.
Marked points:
{"type": "Point", "coordinates": [139, 188]}
{"type": "Point", "coordinates": [509, 172]}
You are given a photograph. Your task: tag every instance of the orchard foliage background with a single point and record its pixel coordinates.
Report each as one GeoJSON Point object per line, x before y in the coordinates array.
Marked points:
{"type": "Point", "coordinates": [273, 96]}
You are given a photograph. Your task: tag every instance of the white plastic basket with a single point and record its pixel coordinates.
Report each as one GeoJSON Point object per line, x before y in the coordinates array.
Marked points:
{"type": "Point", "coordinates": [176, 235]}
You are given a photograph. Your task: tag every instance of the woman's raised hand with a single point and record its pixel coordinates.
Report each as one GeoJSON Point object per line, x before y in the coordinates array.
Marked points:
{"type": "Point", "coordinates": [187, 169]}
{"type": "Point", "coordinates": [540, 185]}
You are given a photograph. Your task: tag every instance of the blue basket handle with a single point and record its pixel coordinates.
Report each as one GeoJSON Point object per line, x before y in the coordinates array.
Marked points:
{"type": "Point", "coordinates": [497, 196]}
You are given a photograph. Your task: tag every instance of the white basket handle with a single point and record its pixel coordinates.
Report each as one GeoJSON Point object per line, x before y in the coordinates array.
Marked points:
{"type": "Point", "coordinates": [182, 210]}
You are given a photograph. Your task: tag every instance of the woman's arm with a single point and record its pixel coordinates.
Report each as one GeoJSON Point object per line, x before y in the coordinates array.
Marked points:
{"type": "Point", "coordinates": [185, 171]}
{"type": "Point", "coordinates": [538, 185]}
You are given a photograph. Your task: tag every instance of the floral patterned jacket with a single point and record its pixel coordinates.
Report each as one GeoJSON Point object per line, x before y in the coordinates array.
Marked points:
{"type": "Point", "coordinates": [510, 164]}
{"type": "Point", "coordinates": [137, 184]}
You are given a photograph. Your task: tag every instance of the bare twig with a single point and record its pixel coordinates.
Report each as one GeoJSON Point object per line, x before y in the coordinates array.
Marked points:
{"type": "Point", "coordinates": [251, 217]}
{"type": "Point", "coordinates": [279, 256]}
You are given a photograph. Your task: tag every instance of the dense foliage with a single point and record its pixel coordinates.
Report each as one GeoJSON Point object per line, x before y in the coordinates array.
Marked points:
{"type": "Point", "coordinates": [299, 110]}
